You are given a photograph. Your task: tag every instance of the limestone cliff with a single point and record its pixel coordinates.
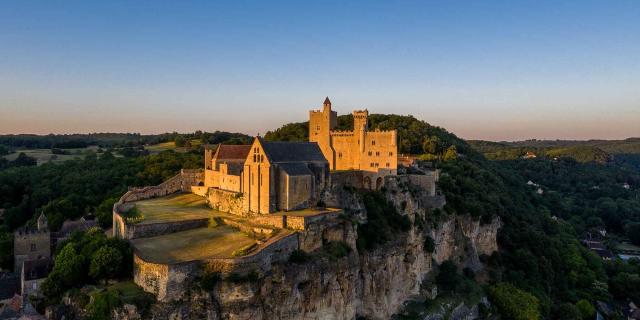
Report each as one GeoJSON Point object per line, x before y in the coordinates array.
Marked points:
{"type": "Point", "coordinates": [372, 284]}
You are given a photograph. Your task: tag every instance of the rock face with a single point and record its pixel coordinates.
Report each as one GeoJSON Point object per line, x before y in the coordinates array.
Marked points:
{"type": "Point", "coordinates": [372, 284]}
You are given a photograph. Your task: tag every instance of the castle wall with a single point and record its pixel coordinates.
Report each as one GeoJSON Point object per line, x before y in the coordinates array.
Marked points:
{"type": "Point", "coordinates": [379, 151]}
{"type": "Point", "coordinates": [30, 245]}
{"type": "Point", "coordinates": [226, 201]}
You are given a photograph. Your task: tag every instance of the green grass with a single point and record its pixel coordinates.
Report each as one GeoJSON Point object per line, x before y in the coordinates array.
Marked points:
{"type": "Point", "coordinates": [192, 245]}
{"type": "Point", "coordinates": [183, 206]}
{"type": "Point", "coordinates": [45, 155]}
{"type": "Point", "coordinates": [164, 146]}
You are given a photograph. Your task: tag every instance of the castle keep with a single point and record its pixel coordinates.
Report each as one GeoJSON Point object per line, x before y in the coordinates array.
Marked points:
{"type": "Point", "coordinates": [360, 149]}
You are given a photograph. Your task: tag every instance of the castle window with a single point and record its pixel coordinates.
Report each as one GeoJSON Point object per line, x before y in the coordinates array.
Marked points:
{"type": "Point", "coordinates": [391, 153]}
{"type": "Point", "coordinates": [339, 154]}
{"type": "Point", "coordinates": [369, 153]}
{"type": "Point", "coordinates": [372, 164]}
{"type": "Point", "coordinates": [261, 158]}
{"type": "Point", "coordinates": [373, 142]}
{"type": "Point", "coordinates": [377, 153]}
{"type": "Point", "coordinates": [388, 165]}
{"type": "Point", "coordinates": [33, 247]}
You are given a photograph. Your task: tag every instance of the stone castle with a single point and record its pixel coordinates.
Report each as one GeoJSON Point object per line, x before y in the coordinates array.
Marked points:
{"type": "Point", "coordinates": [360, 149]}
{"type": "Point", "coordinates": [286, 196]}
{"type": "Point", "coordinates": [285, 176]}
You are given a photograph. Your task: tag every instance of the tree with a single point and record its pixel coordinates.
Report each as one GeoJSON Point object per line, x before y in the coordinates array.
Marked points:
{"type": "Point", "coordinates": [633, 232]}
{"type": "Point", "coordinates": [105, 263]}
{"type": "Point", "coordinates": [23, 160]}
{"type": "Point", "coordinates": [69, 266]}
{"type": "Point", "coordinates": [513, 303]}
{"type": "Point", "coordinates": [431, 145]}
{"type": "Point", "coordinates": [448, 277]}
{"type": "Point", "coordinates": [586, 309]}
{"type": "Point", "coordinates": [451, 154]}
{"type": "Point", "coordinates": [180, 141]}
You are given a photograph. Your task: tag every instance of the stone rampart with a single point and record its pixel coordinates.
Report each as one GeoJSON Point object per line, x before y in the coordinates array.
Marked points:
{"type": "Point", "coordinates": [352, 178]}
{"type": "Point", "coordinates": [226, 201]}
{"type": "Point", "coordinates": [183, 181]}
{"type": "Point", "coordinates": [166, 281]}
{"type": "Point", "coordinates": [276, 249]}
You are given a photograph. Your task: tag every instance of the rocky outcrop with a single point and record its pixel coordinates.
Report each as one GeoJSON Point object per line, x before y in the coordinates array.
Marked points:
{"type": "Point", "coordinates": [372, 284]}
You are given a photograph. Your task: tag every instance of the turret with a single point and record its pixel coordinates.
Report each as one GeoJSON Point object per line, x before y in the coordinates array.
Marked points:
{"type": "Point", "coordinates": [43, 223]}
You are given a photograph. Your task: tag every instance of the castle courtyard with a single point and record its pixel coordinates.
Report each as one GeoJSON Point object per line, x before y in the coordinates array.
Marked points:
{"type": "Point", "coordinates": [190, 245]}
{"type": "Point", "coordinates": [175, 207]}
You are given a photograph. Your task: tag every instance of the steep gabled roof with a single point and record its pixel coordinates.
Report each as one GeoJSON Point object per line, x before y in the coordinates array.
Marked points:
{"type": "Point", "coordinates": [285, 151]}
{"type": "Point", "coordinates": [326, 101]}
{"type": "Point", "coordinates": [231, 152]}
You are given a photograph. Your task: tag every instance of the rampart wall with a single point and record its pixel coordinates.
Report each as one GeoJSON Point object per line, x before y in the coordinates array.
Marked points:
{"type": "Point", "coordinates": [183, 181]}
{"type": "Point", "coordinates": [226, 201]}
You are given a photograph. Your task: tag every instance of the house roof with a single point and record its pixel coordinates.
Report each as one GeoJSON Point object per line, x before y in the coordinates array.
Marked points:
{"type": "Point", "coordinates": [326, 101]}
{"type": "Point", "coordinates": [71, 226]}
{"type": "Point", "coordinates": [232, 152]}
{"type": "Point", "coordinates": [9, 285]}
{"type": "Point", "coordinates": [36, 269]}
{"type": "Point", "coordinates": [296, 169]}
{"type": "Point", "coordinates": [285, 151]}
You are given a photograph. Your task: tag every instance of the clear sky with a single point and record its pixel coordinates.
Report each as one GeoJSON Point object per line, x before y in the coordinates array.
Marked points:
{"type": "Point", "coordinates": [500, 70]}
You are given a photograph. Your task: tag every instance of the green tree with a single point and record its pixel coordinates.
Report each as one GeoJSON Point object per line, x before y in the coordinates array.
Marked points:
{"type": "Point", "coordinates": [70, 266]}
{"type": "Point", "coordinates": [633, 232]}
{"type": "Point", "coordinates": [513, 303]}
{"type": "Point", "coordinates": [448, 278]}
{"type": "Point", "coordinates": [105, 263]}
{"type": "Point", "coordinates": [431, 145]}
{"type": "Point", "coordinates": [451, 154]}
{"type": "Point", "coordinates": [586, 309]}
{"type": "Point", "coordinates": [180, 141]}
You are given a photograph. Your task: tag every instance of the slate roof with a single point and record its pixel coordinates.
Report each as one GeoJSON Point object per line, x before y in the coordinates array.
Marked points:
{"type": "Point", "coordinates": [70, 226]}
{"type": "Point", "coordinates": [296, 169]}
{"type": "Point", "coordinates": [36, 269]}
{"type": "Point", "coordinates": [9, 285]}
{"type": "Point", "coordinates": [285, 151]}
{"type": "Point", "coordinates": [232, 152]}
{"type": "Point", "coordinates": [326, 101]}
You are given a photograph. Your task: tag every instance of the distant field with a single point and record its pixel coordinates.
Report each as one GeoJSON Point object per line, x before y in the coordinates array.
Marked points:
{"type": "Point", "coordinates": [192, 245]}
{"type": "Point", "coordinates": [157, 148]}
{"type": "Point", "coordinates": [174, 208]}
{"type": "Point", "coordinates": [45, 155]}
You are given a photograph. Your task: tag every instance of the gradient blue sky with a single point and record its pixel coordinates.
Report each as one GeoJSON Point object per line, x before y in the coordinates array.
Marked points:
{"type": "Point", "coordinates": [500, 70]}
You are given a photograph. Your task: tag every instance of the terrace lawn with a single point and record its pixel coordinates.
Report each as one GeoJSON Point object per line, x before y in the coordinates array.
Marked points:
{"type": "Point", "coordinates": [177, 207]}
{"type": "Point", "coordinates": [164, 146]}
{"type": "Point", "coordinates": [192, 245]}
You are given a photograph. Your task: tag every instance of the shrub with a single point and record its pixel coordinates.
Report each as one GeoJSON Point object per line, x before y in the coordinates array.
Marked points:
{"type": "Point", "coordinates": [337, 249]}
{"type": "Point", "coordinates": [383, 222]}
{"type": "Point", "coordinates": [448, 277]}
{"type": "Point", "coordinates": [209, 279]}
{"type": "Point", "coordinates": [429, 244]}
{"type": "Point", "coordinates": [244, 250]}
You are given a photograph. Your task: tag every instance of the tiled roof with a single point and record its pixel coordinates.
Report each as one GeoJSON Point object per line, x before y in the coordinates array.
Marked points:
{"type": "Point", "coordinates": [296, 169]}
{"type": "Point", "coordinates": [232, 152]}
{"type": "Point", "coordinates": [293, 151]}
{"type": "Point", "coordinates": [36, 269]}
{"type": "Point", "coordinates": [9, 285]}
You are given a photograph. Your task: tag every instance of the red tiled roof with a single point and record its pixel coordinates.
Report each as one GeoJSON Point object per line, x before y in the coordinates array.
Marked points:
{"type": "Point", "coordinates": [232, 152]}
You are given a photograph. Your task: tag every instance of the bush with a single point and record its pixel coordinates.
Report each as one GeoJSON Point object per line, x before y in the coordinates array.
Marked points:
{"type": "Point", "coordinates": [383, 222]}
{"type": "Point", "coordinates": [448, 278]}
{"type": "Point", "coordinates": [513, 303]}
{"type": "Point", "coordinates": [299, 257]}
{"type": "Point", "coordinates": [337, 249]}
{"type": "Point", "coordinates": [429, 244]}
{"type": "Point", "coordinates": [209, 280]}
{"type": "Point", "coordinates": [105, 263]}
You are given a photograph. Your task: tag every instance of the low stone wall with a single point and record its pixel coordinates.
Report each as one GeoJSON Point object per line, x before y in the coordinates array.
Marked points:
{"type": "Point", "coordinates": [180, 182]}
{"type": "Point", "coordinates": [135, 231]}
{"type": "Point", "coordinates": [226, 201]}
{"type": "Point", "coordinates": [276, 249]}
{"type": "Point", "coordinates": [166, 281]}
{"type": "Point", "coordinates": [270, 220]}
{"type": "Point", "coordinates": [200, 191]}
